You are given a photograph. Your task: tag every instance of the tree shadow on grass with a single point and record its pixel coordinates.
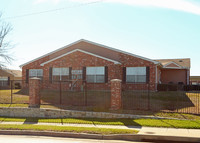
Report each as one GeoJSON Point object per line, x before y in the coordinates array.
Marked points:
{"type": "Point", "coordinates": [129, 123]}
{"type": "Point", "coordinates": [23, 91]}
{"type": "Point", "coordinates": [172, 101]}
{"type": "Point", "coordinates": [31, 121]}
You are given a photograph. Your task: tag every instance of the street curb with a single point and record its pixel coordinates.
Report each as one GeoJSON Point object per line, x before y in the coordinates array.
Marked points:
{"type": "Point", "coordinates": [126, 137]}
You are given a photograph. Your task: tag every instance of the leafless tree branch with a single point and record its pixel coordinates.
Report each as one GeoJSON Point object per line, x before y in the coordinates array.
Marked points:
{"type": "Point", "coordinates": [5, 45]}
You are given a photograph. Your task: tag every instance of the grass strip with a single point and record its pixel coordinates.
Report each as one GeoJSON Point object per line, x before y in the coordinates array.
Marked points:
{"type": "Point", "coordinates": [90, 130]}
{"type": "Point", "coordinates": [188, 124]}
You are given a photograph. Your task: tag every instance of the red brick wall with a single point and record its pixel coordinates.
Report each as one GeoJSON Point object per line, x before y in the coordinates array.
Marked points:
{"type": "Point", "coordinates": [78, 60]}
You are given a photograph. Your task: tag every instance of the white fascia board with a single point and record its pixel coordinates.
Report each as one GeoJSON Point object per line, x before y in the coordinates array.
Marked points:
{"type": "Point", "coordinates": [176, 68]}
{"type": "Point", "coordinates": [115, 62]}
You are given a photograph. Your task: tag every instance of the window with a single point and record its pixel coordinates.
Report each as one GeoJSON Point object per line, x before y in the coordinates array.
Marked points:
{"type": "Point", "coordinates": [60, 74]}
{"type": "Point", "coordinates": [36, 73]}
{"type": "Point", "coordinates": [136, 74]}
{"type": "Point", "coordinates": [3, 81]}
{"type": "Point", "coordinates": [77, 74]}
{"type": "Point", "coordinates": [95, 74]}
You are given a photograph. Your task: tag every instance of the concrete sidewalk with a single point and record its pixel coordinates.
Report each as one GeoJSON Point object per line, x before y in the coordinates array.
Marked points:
{"type": "Point", "coordinates": [154, 133]}
{"type": "Point", "coordinates": [170, 132]}
{"type": "Point", "coordinates": [76, 125]}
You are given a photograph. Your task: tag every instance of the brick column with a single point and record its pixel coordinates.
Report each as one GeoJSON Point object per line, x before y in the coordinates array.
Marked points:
{"type": "Point", "coordinates": [34, 92]}
{"type": "Point", "coordinates": [116, 91]}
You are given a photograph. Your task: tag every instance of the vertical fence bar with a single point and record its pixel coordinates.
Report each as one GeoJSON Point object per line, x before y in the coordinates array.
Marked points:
{"type": "Point", "coordinates": [85, 92]}
{"type": "Point", "coordinates": [60, 93]}
{"type": "Point", "coordinates": [177, 105]}
{"type": "Point", "coordinates": [148, 97]}
{"type": "Point", "coordinates": [11, 100]}
{"type": "Point", "coordinates": [198, 94]}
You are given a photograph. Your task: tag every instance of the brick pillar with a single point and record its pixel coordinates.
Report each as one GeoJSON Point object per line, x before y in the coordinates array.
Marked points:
{"type": "Point", "coordinates": [116, 91]}
{"type": "Point", "coordinates": [34, 92]}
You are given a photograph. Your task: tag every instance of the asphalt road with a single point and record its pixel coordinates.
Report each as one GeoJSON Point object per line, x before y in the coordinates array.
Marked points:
{"type": "Point", "coordinates": [42, 139]}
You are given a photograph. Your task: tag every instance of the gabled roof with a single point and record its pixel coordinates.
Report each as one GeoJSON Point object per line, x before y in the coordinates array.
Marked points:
{"type": "Point", "coordinates": [181, 63]}
{"type": "Point", "coordinates": [97, 49]}
{"type": "Point", "coordinates": [194, 78]}
{"type": "Point", "coordinates": [15, 73]}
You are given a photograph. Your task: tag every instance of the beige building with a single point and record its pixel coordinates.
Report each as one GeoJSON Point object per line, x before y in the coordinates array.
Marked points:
{"type": "Point", "coordinates": [195, 80]}
{"type": "Point", "coordinates": [7, 75]}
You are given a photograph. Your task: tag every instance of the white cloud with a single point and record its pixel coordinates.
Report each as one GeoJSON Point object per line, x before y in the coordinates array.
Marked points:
{"type": "Point", "coordinates": [179, 5]}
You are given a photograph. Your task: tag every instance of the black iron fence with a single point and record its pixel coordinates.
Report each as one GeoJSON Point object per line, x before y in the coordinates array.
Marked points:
{"type": "Point", "coordinates": [169, 98]}
{"type": "Point", "coordinates": [75, 93]}
{"type": "Point", "coordinates": [13, 93]}
{"type": "Point", "coordinates": [81, 95]}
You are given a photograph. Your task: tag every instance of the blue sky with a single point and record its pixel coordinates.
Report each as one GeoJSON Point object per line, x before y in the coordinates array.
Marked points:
{"type": "Point", "coordinates": [154, 29]}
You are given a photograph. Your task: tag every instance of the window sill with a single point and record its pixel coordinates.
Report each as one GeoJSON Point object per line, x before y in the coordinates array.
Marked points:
{"type": "Point", "coordinates": [136, 83]}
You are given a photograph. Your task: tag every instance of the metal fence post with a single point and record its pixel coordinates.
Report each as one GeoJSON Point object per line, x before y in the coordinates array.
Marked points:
{"type": "Point", "coordinates": [85, 92]}
{"type": "Point", "coordinates": [60, 93]}
{"type": "Point", "coordinates": [148, 97]}
{"type": "Point", "coordinates": [11, 100]}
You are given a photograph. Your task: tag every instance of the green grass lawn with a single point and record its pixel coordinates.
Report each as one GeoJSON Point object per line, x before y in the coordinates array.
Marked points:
{"type": "Point", "coordinates": [189, 124]}
{"type": "Point", "coordinates": [92, 130]}
{"type": "Point", "coordinates": [18, 96]}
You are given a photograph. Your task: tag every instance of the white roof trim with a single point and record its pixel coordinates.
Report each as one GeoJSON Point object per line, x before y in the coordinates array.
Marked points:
{"type": "Point", "coordinates": [115, 62]}
{"type": "Point", "coordinates": [155, 62]}
{"type": "Point", "coordinates": [176, 68]}
{"type": "Point", "coordinates": [172, 63]}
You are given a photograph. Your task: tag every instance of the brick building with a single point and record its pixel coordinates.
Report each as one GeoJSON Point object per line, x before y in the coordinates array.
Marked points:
{"type": "Point", "coordinates": [98, 64]}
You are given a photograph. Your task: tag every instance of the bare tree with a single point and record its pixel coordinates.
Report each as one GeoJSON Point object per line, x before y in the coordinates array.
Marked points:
{"type": "Point", "coordinates": [5, 45]}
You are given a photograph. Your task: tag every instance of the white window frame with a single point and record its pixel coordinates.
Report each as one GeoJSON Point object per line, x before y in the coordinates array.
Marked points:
{"type": "Point", "coordinates": [136, 71]}
{"type": "Point", "coordinates": [95, 71]}
{"type": "Point", "coordinates": [61, 72]}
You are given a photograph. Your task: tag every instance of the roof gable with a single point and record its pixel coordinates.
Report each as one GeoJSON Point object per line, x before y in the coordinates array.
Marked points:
{"type": "Point", "coordinates": [82, 44]}
{"type": "Point", "coordinates": [175, 63]}
{"type": "Point", "coordinates": [115, 62]}
{"type": "Point", "coordinates": [15, 73]}
{"type": "Point", "coordinates": [172, 65]}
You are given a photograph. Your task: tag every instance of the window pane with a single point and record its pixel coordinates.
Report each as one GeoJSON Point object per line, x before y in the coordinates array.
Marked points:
{"type": "Point", "coordinates": [56, 71]}
{"type": "Point", "coordinates": [100, 78]}
{"type": "Point", "coordinates": [100, 70]}
{"type": "Point", "coordinates": [3, 83]}
{"type": "Point", "coordinates": [90, 78]}
{"type": "Point", "coordinates": [39, 72]}
{"type": "Point", "coordinates": [136, 71]}
{"type": "Point", "coordinates": [130, 78]}
{"type": "Point", "coordinates": [90, 70]}
{"type": "Point", "coordinates": [64, 71]}
{"type": "Point", "coordinates": [3, 78]}
{"type": "Point", "coordinates": [136, 78]}
{"type": "Point", "coordinates": [33, 73]}
{"type": "Point", "coordinates": [95, 70]}
{"type": "Point", "coordinates": [141, 78]}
